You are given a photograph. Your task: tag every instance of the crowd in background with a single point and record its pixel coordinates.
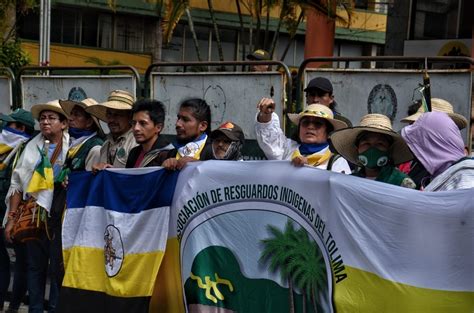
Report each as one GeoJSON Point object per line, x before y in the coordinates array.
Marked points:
{"type": "Point", "coordinates": [429, 154]}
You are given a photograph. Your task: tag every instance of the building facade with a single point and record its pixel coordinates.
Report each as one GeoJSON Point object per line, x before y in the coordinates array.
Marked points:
{"type": "Point", "coordinates": [430, 28]}
{"type": "Point", "coordinates": [90, 32]}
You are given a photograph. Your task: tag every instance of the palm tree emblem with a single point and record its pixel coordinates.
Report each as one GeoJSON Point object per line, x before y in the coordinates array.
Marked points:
{"type": "Point", "coordinates": [299, 261]}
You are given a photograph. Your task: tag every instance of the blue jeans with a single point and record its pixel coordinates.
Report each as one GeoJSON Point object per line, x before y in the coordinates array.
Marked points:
{"type": "Point", "coordinates": [38, 257]}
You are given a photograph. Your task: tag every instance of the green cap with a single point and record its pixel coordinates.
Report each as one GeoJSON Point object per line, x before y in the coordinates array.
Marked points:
{"type": "Point", "coordinates": [20, 116]}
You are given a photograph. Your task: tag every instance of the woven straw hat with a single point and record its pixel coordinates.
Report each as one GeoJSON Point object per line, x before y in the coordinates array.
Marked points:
{"type": "Point", "coordinates": [50, 106]}
{"type": "Point", "coordinates": [439, 105]}
{"type": "Point", "coordinates": [117, 100]}
{"type": "Point", "coordinates": [317, 110]}
{"type": "Point", "coordinates": [68, 105]}
{"type": "Point", "coordinates": [344, 140]}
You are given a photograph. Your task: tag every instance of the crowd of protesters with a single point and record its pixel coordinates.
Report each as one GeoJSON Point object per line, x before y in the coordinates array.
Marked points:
{"type": "Point", "coordinates": [429, 154]}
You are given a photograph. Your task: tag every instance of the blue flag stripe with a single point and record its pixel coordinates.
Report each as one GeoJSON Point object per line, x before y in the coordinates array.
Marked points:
{"type": "Point", "coordinates": [122, 192]}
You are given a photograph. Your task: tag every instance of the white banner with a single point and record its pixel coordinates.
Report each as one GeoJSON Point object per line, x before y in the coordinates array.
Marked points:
{"type": "Point", "coordinates": [268, 237]}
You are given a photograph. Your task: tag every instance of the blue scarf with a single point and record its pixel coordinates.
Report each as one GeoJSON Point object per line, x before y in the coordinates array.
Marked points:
{"type": "Point", "coordinates": [16, 131]}
{"type": "Point", "coordinates": [310, 148]}
{"type": "Point", "coordinates": [78, 133]}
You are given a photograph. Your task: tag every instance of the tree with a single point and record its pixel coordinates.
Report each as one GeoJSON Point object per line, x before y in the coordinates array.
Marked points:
{"type": "Point", "coordinates": [8, 10]}
{"type": "Point", "coordinates": [279, 250]}
{"type": "Point", "coordinates": [307, 268]}
{"type": "Point", "coordinates": [11, 54]}
{"type": "Point", "coordinates": [291, 15]}
{"type": "Point", "coordinates": [216, 30]}
{"type": "Point", "coordinates": [173, 13]}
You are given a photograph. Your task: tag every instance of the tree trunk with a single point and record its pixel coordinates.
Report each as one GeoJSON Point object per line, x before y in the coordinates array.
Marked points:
{"type": "Point", "coordinates": [290, 296]}
{"type": "Point", "coordinates": [277, 31]}
{"type": "Point", "coordinates": [193, 32]}
{"type": "Point", "coordinates": [292, 38]}
{"type": "Point", "coordinates": [8, 24]}
{"type": "Point", "coordinates": [304, 301]}
{"type": "Point", "coordinates": [157, 43]}
{"type": "Point", "coordinates": [258, 13]}
{"type": "Point", "coordinates": [313, 301]}
{"type": "Point", "coordinates": [267, 25]}
{"type": "Point", "coordinates": [157, 46]}
{"type": "Point", "coordinates": [241, 21]}
{"type": "Point", "coordinates": [216, 30]}
{"type": "Point", "coordinates": [251, 29]}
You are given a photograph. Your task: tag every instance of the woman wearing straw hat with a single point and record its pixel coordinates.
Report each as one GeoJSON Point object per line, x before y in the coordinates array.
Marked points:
{"type": "Point", "coordinates": [54, 141]}
{"type": "Point", "coordinates": [436, 141]}
{"type": "Point", "coordinates": [310, 145]}
{"type": "Point", "coordinates": [85, 132]}
{"type": "Point", "coordinates": [376, 148]}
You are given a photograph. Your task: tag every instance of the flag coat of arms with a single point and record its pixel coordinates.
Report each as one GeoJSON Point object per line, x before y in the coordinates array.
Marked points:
{"type": "Point", "coordinates": [114, 236]}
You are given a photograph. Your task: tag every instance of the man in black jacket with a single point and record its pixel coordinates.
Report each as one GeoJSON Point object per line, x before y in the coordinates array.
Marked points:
{"type": "Point", "coordinates": [147, 124]}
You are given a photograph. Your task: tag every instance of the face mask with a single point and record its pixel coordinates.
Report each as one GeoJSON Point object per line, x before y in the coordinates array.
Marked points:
{"type": "Point", "coordinates": [373, 158]}
{"type": "Point", "coordinates": [231, 153]}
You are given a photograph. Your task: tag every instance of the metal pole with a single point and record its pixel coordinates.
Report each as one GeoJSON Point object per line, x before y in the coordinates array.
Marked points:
{"type": "Point", "coordinates": [41, 39]}
{"type": "Point", "coordinates": [45, 33]}
{"type": "Point", "coordinates": [48, 32]}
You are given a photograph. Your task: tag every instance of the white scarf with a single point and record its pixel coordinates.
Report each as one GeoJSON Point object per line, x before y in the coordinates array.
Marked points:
{"type": "Point", "coordinates": [25, 167]}
{"type": "Point", "coordinates": [9, 144]}
{"type": "Point", "coordinates": [76, 143]}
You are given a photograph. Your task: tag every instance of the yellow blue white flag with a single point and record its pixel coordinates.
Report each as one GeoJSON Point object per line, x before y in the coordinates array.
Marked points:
{"type": "Point", "coordinates": [114, 236]}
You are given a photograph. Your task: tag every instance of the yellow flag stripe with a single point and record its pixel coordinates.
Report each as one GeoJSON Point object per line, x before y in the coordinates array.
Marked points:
{"type": "Point", "coordinates": [168, 294]}
{"type": "Point", "coordinates": [85, 269]}
{"type": "Point", "coordinates": [366, 292]}
{"type": "Point", "coordinates": [4, 148]}
{"type": "Point", "coordinates": [39, 182]}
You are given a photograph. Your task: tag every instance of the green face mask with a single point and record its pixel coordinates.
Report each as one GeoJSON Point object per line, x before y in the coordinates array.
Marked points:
{"type": "Point", "coordinates": [373, 158]}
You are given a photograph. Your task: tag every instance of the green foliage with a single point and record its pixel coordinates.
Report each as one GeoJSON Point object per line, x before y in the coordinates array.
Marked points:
{"type": "Point", "coordinates": [12, 56]}
{"type": "Point", "coordinates": [174, 10]}
{"type": "Point", "coordinates": [297, 257]}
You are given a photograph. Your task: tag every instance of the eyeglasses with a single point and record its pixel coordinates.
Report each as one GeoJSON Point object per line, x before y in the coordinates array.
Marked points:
{"type": "Point", "coordinates": [50, 119]}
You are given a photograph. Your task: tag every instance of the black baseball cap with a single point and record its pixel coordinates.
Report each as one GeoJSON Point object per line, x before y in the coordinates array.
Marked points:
{"type": "Point", "coordinates": [320, 83]}
{"type": "Point", "coordinates": [231, 131]}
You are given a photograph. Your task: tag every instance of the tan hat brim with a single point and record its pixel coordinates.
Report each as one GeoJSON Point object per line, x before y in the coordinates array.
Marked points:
{"type": "Point", "coordinates": [458, 119]}
{"type": "Point", "coordinates": [100, 110]}
{"type": "Point", "coordinates": [68, 105]}
{"type": "Point", "coordinates": [411, 118]}
{"type": "Point", "coordinates": [344, 142]}
{"type": "Point", "coordinates": [38, 108]}
{"type": "Point", "coordinates": [337, 124]}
